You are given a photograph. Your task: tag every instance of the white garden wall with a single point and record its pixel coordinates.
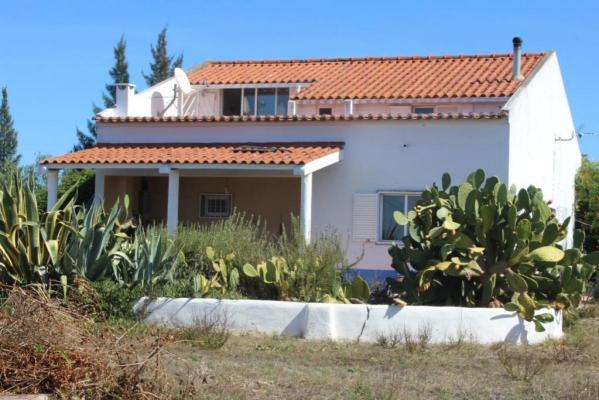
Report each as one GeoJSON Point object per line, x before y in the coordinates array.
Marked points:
{"type": "Point", "coordinates": [353, 322]}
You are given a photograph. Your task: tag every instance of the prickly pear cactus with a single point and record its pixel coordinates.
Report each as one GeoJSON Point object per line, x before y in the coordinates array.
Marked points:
{"type": "Point", "coordinates": [481, 244]}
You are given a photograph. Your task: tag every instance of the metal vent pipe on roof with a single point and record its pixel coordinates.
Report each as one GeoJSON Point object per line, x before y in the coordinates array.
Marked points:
{"type": "Point", "coordinates": [517, 59]}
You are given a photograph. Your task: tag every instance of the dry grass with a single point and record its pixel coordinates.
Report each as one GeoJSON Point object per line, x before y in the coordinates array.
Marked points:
{"type": "Point", "coordinates": [260, 367]}
{"type": "Point", "coordinates": [180, 364]}
{"type": "Point", "coordinates": [47, 346]}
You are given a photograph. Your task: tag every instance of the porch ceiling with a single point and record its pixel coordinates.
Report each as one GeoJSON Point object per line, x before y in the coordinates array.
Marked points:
{"type": "Point", "coordinates": [189, 154]}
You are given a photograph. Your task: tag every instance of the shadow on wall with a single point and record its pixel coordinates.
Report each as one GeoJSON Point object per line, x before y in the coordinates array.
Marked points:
{"type": "Point", "coordinates": [157, 104]}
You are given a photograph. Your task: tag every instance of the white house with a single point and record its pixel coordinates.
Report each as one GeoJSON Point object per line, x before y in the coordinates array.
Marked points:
{"type": "Point", "coordinates": [340, 142]}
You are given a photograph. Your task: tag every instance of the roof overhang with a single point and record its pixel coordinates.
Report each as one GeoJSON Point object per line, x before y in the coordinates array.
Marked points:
{"type": "Point", "coordinates": [295, 158]}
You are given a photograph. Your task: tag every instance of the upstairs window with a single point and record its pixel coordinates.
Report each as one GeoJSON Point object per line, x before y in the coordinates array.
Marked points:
{"type": "Point", "coordinates": [231, 101]}
{"type": "Point", "coordinates": [390, 202]}
{"type": "Point", "coordinates": [255, 101]}
{"type": "Point", "coordinates": [325, 111]}
{"type": "Point", "coordinates": [424, 110]}
{"type": "Point", "coordinates": [215, 205]}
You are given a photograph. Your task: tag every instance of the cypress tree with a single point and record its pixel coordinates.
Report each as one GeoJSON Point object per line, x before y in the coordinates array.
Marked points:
{"type": "Point", "coordinates": [8, 134]}
{"type": "Point", "coordinates": [163, 65]}
{"type": "Point", "coordinates": [119, 74]}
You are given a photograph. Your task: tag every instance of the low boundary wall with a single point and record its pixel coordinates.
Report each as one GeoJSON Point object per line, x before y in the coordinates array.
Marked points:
{"type": "Point", "coordinates": [351, 322]}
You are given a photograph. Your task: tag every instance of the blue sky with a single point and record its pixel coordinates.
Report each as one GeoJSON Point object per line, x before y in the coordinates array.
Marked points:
{"type": "Point", "coordinates": [55, 56]}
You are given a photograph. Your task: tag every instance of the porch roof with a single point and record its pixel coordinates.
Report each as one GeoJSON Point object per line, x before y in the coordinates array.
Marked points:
{"type": "Point", "coordinates": [279, 153]}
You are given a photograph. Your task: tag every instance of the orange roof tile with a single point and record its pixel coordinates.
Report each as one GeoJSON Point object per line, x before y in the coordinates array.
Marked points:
{"type": "Point", "coordinates": [466, 76]}
{"type": "Point", "coordinates": [291, 118]}
{"type": "Point", "coordinates": [200, 153]}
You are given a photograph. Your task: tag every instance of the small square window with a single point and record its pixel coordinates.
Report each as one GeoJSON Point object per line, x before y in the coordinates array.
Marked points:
{"type": "Point", "coordinates": [389, 230]}
{"type": "Point", "coordinates": [215, 205]}
{"type": "Point", "coordinates": [325, 111]}
{"type": "Point", "coordinates": [424, 110]}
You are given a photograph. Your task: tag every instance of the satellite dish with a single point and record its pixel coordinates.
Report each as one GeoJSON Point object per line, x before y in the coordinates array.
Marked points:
{"type": "Point", "coordinates": [182, 81]}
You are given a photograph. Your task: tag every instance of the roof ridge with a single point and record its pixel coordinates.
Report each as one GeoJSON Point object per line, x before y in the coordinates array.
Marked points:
{"type": "Point", "coordinates": [372, 58]}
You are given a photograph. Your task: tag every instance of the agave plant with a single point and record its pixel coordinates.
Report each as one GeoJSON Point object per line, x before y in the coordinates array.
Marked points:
{"type": "Point", "coordinates": [32, 244]}
{"type": "Point", "coordinates": [480, 244]}
{"type": "Point", "coordinates": [149, 259]}
{"type": "Point", "coordinates": [95, 248]}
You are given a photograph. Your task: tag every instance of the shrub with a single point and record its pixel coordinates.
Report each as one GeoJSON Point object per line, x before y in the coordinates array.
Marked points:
{"type": "Point", "coordinates": [480, 244]}
{"type": "Point", "coordinates": [82, 181]}
{"type": "Point", "coordinates": [240, 234]}
{"type": "Point", "coordinates": [115, 300]}
{"type": "Point", "coordinates": [587, 202]}
{"type": "Point", "coordinates": [216, 255]}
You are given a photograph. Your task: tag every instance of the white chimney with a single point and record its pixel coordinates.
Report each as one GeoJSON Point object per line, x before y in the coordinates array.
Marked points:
{"type": "Point", "coordinates": [124, 99]}
{"type": "Point", "coordinates": [517, 59]}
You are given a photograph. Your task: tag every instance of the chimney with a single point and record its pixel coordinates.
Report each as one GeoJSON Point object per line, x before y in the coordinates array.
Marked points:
{"type": "Point", "coordinates": [124, 99]}
{"type": "Point", "coordinates": [517, 59]}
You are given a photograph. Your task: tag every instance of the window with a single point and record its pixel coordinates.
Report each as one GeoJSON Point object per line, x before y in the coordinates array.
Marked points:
{"type": "Point", "coordinates": [424, 110]}
{"type": "Point", "coordinates": [325, 111]}
{"type": "Point", "coordinates": [282, 101]}
{"type": "Point", "coordinates": [215, 205]}
{"type": "Point", "coordinates": [232, 102]}
{"type": "Point", "coordinates": [255, 101]}
{"type": "Point", "coordinates": [249, 101]}
{"type": "Point", "coordinates": [266, 101]}
{"type": "Point", "coordinates": [390, 202]}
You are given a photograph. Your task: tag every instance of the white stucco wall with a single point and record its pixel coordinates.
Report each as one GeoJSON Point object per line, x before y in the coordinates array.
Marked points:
{"type": "Point", "coordinates": [543, 146]}
{"type": "Point", "coordinates": [355, 322]}
{"type": "Point", "coordinates": [378, 155]}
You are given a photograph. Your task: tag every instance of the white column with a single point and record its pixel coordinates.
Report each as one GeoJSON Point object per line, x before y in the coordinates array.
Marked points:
{"type": "Point", "coordinates": [99, 187]}
{"type": "Point", "coordinates": [52, 175]}
{"type": "Point", "coordinates": [306, 207]}
{"type": "Point", "coordinates": [172, 213]}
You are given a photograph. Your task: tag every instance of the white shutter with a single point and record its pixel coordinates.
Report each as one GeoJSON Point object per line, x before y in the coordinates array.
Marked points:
{"type": "Point", "coordinates": [365, 217]}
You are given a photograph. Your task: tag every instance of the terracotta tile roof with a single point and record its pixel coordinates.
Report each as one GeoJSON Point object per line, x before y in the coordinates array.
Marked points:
{"type": "Point", "coordinates": [200, 153]}
{"type": "Point", "coordinates": [291, 118]}
{"type": "Point", "coordinates": [465, 76]}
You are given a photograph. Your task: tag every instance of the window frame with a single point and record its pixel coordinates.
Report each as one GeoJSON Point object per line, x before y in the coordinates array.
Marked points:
{"type": "Point", "coordinates": [227, 196]}
{"type": "Point", "coordinates": [243, 90]}
{"type": "Point", "coordinates": [432, 107]}
{"type": "Point", "coordinates": [398, 193]}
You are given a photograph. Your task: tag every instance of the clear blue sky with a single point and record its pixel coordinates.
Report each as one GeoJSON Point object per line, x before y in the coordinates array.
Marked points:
{"type": "Point", "coordinates": [55, 55]}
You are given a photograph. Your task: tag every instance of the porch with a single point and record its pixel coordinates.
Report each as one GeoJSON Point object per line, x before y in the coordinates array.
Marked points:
{"type": "Point", "coordinates": [197, 183]}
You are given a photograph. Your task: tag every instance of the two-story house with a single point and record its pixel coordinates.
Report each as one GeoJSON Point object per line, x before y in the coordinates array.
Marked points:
{"type": "Point", "coordinates": [340, 143]}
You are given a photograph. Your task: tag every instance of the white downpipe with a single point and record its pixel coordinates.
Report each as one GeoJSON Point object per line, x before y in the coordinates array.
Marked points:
{"type": "Point", "coordinates": [52, 175]}
{"type": "Point", "coordinates": [306, 207]}
{"type": "Point", "coordinates": [99, 186]}
{"type": "Point", "coordinates": [172, 214]}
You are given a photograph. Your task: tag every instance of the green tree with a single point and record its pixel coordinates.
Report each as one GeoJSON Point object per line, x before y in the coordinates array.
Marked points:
{"type": "Point", "coordinates": [119, 74]}
{"type": "Point", "coordinates": [163, 65]}
{"type": "Point", "coordinates": [8, 134]}
{"type": "Point", "coordinates": [587, 202]}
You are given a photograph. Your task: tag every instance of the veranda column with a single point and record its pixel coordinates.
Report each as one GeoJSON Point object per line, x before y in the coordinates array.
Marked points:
{"type": "Point", "coordinates": [99, 187]}
{"type": "Point", "coordinates": [52, 175]}
{"type": "Point", "coordinates": [306, 207]}
{"type": "Point", "coordinates": [172, 213]}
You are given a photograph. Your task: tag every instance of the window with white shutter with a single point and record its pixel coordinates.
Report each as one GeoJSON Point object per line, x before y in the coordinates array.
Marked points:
{"type": "Point", "coordinates": [365, 217]}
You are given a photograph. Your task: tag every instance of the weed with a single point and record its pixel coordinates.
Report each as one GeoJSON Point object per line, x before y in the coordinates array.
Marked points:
{"type": "Point", "coordinates": [206, 332]}
{"type": "Point", "coordinates": [522, 362]}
